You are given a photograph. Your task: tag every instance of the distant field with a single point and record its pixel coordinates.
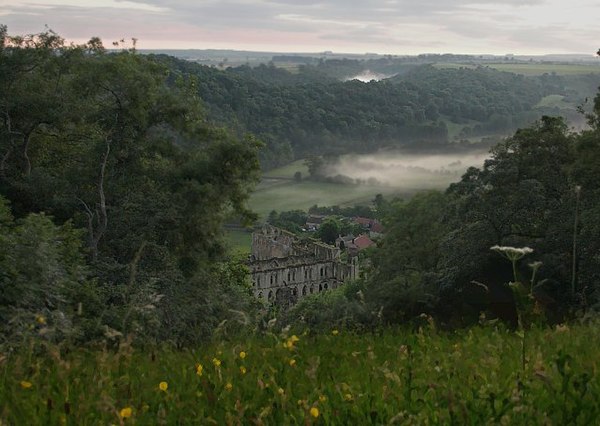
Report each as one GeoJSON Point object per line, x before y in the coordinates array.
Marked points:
{"type": "Point", "coordinates": [535, 68]}
{"type": "Point", "coordinates": [552, 101]}
{"type": "Point", "coordinates": [289, 195]}
{"type": "Point", "coordinates": [288, 171]}
{"type": "Point", "coordinates": [279, 191]}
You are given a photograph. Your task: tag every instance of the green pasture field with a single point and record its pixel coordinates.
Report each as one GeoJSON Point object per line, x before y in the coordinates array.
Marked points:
{"type": "Point", "coordinates": [288, 171]}
{"type": "Point", "coordinates": [531, 69]}
{"type": "Point", "coordinates": [483, 375]}
{"type": "Point", "coordinates": [279, 191]}
{"type": "Point", "coordinates": [283, 195]}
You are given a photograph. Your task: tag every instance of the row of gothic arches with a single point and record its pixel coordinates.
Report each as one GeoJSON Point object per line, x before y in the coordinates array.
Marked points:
{"type": "Point", "coordinates": [299, 291]}
{"type": "Point", "coordinates": [273, 277]}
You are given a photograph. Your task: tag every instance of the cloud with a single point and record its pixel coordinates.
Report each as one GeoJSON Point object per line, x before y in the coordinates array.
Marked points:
{"type": "Point", "coordinates": [469, 26]}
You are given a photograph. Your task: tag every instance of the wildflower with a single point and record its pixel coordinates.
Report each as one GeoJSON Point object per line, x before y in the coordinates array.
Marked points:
{"type": "Point", "coordinates": [314, 411]}
{"type": "Point", "coordinates": [348, 397]}
{"type": "Point", "coordinates": [126, 412]}
{"type": "Point", "coordinates": [243, 369]}
{"type": "Point", "coordinates": [163, 386]}
{"type": "Point", "coordinates": [25, 384]}
{"type": "Point", "coordinates": [322, 398]}
{"type": "Point", "coordinates": [334, 332]}
{"type": "Point", "coordinates": [289, 343]}
{"type": "Point", "coordinates": [199, 369]}
{"type": "Point", "coordinates": [228, 387]}
{"type": "Point", "coordinates": [535, 265]}
{"type": "Point", "coordinates": [242, 355]}
{"type": "Point", "coordinates": [40, 319]}
{"type": "Point", "coordinates": [292, 362]}
{"type": "Point", "coordinates": [512, 253]}
{"type": "Point", "coordinates": [216, 362]}
{"type": "Point", "coordinates": [280, 391]}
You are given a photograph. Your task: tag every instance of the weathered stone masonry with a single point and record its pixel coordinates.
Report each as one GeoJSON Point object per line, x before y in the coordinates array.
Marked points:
{"type": "Point", "coordinates": [286, 268]}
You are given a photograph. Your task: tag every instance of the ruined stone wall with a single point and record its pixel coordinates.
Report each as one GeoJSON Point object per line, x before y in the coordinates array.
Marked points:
{"type": "Point", "coordinates": [285, 269]}
{"type": "Point", "coordinates": [271, 242]}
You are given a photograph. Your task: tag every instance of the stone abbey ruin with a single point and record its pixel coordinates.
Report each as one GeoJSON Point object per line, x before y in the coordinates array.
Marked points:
{"type": "Point", "coordinates": [285, 267]}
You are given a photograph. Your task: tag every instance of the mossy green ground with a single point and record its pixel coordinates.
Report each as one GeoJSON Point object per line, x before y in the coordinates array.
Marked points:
{"type": "Point", "coordinates": [472, 376]}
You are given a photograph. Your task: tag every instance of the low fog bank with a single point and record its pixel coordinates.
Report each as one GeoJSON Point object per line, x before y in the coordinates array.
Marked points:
{"type": "Point", "coordinates": [405, 170]}
{"type": "Point", "coordinates": [369, 75]}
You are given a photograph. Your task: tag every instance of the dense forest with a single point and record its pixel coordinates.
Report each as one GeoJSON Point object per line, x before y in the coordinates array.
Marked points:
{"type": "Point", "coordinates": [113, 190]}
{"type": "Point", "coordinates": [114, 187]}
{"type": "Point", "coordinates": [315, 112]}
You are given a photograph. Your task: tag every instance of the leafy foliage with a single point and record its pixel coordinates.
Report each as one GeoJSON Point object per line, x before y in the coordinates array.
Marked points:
{"type": "Point", "coordinates": [110, 143]}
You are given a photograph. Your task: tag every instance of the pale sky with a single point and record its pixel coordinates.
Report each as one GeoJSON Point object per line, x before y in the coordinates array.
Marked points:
{"type": "Point", "coordinates": [379, 26]}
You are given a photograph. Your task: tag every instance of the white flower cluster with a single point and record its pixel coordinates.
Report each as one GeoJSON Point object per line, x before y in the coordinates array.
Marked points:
{"type": "Point", "coordinates": [512, 253]}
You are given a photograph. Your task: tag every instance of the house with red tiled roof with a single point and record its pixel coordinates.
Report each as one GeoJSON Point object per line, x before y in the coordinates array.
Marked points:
{"type": "Point", "coordinates": [358, 244]}
{"type": "Point", "coordinates": [372, 225]}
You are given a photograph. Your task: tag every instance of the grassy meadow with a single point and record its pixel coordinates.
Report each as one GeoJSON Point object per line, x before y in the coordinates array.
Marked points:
{"type": "Point", "coordinates": [282, 195]}
{"type": "Point", "coordinates": [279, 191]}
{"type": "Point", "coordinates": [530, 69]}
{"type": "Point", "coordinates": [476, 376]}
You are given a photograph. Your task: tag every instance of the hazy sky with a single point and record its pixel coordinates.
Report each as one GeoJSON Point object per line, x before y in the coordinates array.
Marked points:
{"type": "Point", "coordinates": [381, 26]}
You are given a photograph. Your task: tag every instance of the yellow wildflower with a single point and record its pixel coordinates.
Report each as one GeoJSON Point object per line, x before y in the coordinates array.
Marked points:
{"type": "Point", "coordinates": [335, 332]}
{"type": "Point", "coordinates": [314, 411]}
{"type": "Point", "coordinates": [25, 384]}
{"type": "Point", "coordinates": [40, 319]}
{"type": "Point", "coordinates": [322, 398]}
{"type": "Point", "coordinates": [348, 397]}
{"type": "Point", "coordinates": [163, 386]}
{"type": "Point", "coordinates": [280, 391]}
{"type": "Point", "coordinates": [292, 362]}
{"type": "Point", "coordinates": [126, 412]}
{"type": "Point", "coordinates": [243, 369]}
{"type": "Point", "coordinates": [242, 355]}
{"type": "Point", "coordinates": [228, 387]}
{"type": "Point", "coordinates": [199, 369]}
{"type": "Point", "coordinates": [216, 362]}
{"type": "Point", "coordinates": [289, 343]}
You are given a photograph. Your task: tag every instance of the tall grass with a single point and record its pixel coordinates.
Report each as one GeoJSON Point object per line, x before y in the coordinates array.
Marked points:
{"type": "Point", "coordinates": [468, 377]}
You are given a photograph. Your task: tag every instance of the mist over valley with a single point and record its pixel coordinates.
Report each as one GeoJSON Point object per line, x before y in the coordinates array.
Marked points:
{"type": "Point", "coordinates": [405, 170]}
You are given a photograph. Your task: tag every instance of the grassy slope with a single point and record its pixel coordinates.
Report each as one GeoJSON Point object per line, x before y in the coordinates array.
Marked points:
{"type": "Point", "coordinates": [469, 377]}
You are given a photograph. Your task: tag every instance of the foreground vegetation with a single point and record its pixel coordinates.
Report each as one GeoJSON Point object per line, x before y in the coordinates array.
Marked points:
{"type": "Point", "coordinates": [477, 376]}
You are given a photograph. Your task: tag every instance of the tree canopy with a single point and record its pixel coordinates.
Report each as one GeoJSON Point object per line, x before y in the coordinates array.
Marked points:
{"type": "Point", "coordinates": [111, 144]}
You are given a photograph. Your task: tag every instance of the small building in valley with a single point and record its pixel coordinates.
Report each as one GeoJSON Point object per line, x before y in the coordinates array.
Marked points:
{"type": "Point", "coordinates": [286, 268]}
